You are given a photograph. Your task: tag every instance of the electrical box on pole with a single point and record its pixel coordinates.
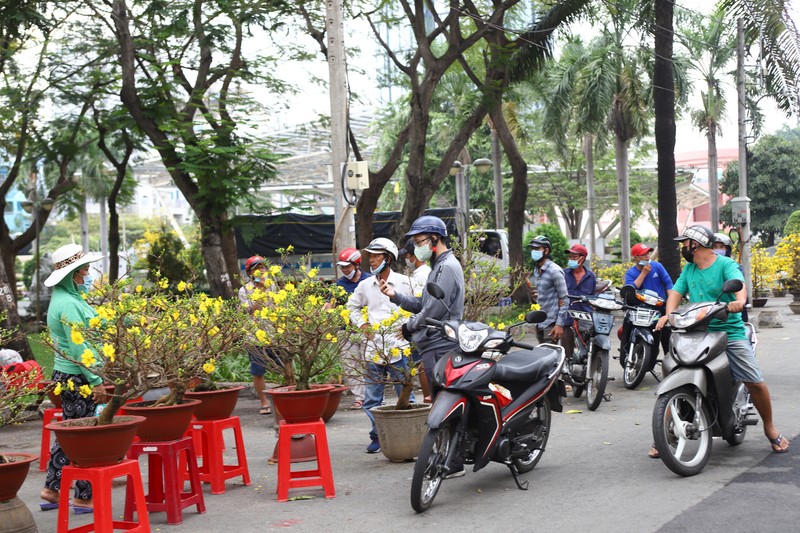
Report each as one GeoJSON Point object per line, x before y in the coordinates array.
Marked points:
{"type": "Point", "coordinates": [740, 210]}
{"type": "Point", "coordinates": [356, 175]}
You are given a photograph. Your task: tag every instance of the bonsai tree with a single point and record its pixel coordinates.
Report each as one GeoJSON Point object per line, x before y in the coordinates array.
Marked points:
{"type": "Point", "coordinates": [18, 391]}
{"type": "Point", "coordinates": [764, 271]}
{"type": "Point", "coordinates": [787, 255]}
{"type": "Point", "coordinates": [149, 338]}
{"type": "Point", "coordinates": [303, 321]}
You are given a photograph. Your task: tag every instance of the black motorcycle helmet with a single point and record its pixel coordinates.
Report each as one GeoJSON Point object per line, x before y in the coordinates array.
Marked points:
{"type": "Point", "coordinates": [540, 241]}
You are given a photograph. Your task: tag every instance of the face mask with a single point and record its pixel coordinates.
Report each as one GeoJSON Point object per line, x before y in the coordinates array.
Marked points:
{"type": "Point", "coordinates": [643, 263]}
{"type": "Point", "coordinates": [351, 274]}
{"type": "Point", "coordinates": [686, 252]}
{"type": "Point", "coordinates": [376, 271]}
{"type": "Point", "coordinates": [423, 253]}
{"type": "Point", "coordinates": [411, 264]}
{"type": "Point", "coordinates": [572, 263]}
{"type": "Point", "coordinates": [536, 255]}
{"type": "Point", "coordinates": [87, 282]}
{"type": "Point", "coordinates": [722, 253]}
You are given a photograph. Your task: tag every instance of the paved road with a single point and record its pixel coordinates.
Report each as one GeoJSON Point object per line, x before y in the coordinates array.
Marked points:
{"type": "Point", "coordinates": [595, 475]}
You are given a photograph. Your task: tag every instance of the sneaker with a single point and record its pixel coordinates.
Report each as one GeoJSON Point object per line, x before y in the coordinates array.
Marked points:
{"type": "Point", "coordinates": [457, 473]}
{"type": "Point", "coordinates": [374, 446]}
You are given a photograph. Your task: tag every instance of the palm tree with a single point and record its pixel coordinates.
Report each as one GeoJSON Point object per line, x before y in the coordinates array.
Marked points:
{"type": "Point", "coordinates": [711, 46]}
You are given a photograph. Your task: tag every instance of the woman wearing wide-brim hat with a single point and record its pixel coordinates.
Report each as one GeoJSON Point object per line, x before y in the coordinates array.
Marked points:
{"type": "Point", "coordinates": [69, 279]}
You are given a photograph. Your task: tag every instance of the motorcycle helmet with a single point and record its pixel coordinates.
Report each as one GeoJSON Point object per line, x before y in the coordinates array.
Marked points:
{"type": "Point", "coordinates": [428, 224]}
{"type": "Point", "coordinates": [348, 256]}
{"type": "Point", "coordinates": [382, 245]}
{"type": "Point", "coordinates": [725, 241]}
{"type": "Point", "coordinates": [700, 234]}
{"type": "Point", "coordinates": [542, 241]}
{"type": "Point", "coordinates": [253, 262]}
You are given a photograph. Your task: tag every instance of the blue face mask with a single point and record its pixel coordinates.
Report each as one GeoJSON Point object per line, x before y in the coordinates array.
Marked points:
{"type": "Point", "coordinates": [379, 269]}
{"type": "Point", "coordinates": [643, 263]}
{"type": "Point", "coordinates": [87, 282]}
{"type": "Point", "coordinates": [536, 255]}
{"type": "Point", "coordinates": [572, 263]}
{"type": "Point", "coordinates": [721, 252]}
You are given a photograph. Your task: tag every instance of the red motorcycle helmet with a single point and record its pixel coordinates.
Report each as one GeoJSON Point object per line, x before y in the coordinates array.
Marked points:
{"type": "Point", "coordinates": [349, 255]}
{"type": "Point", "coordinates": [253, 262]}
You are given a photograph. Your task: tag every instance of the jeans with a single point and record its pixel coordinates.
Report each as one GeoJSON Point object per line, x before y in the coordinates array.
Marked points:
{"type": "Point", "coordinates": [376, 381]}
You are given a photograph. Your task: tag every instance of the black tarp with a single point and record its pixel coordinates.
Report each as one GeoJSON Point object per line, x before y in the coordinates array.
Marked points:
{"type": "Point", "coordinates": [264, 234]}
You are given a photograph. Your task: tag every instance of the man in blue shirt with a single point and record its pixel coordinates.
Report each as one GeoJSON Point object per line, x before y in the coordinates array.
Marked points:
{"type": "Point", "coordinates": [646, 274]}
{"type": "Point", "coordinates": [580, 282]}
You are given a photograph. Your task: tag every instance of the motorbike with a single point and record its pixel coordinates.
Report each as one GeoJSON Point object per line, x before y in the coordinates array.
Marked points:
{"type": "Point", "coordinates": [491, 403]}
{"type": "Point", "coordinates": [639, 351]}
{"type": "Point", "coordinates": [587, 367]}
{"type": "Point", "coordinates": [698, 398]}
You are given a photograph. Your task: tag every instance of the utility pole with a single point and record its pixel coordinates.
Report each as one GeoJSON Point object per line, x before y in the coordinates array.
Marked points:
{"type": "Point", "coordinates": [742, 115]}
{"type": "Point", "coordinates": [344, 228]}
{"type": "Point", "coordinates": [588, 146]}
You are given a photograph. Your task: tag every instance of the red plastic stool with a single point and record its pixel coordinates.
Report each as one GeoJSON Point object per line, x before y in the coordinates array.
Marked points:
{"type": "Point", "coordinates": [321, 476]}
{"type": "Point", "coordinates": [209, 433]}
{"type": "Point", "coordinates": [53, 414]}
{"type": "Point", "coordinates": [164, 480]}
{"type": "Point", "coordinates": [102, 479]}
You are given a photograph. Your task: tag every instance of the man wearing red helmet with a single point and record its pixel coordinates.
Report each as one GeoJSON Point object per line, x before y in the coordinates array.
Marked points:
{"type": "Point", "coordinates": [349, 262]}
{"type": "Point", "coordinates": [580, 282]}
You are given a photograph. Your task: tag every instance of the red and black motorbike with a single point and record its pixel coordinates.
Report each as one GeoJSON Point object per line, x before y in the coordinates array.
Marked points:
{"type": "Point", "coordinates": [492, 404]}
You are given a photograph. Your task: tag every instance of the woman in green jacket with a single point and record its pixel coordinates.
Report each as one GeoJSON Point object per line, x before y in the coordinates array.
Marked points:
{"type": "Point", "coordinates": [80, 390]}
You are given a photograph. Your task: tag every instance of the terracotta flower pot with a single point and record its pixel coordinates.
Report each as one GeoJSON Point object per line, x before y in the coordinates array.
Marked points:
{"type": "Point", "coordinates": [333, 400]}
{"type": "Point", "coordinates": [13, 473]}
{"type": "Point", "coordinates": [214, 404]}
{"type": "Point", "coordinates": [48, 384]}
{"type": "Point", "coordinates": [298, 406]}
{"type": "Point", "coordinates": [87, 444]}
{"type": "Point", "coordinates": [165, 422]}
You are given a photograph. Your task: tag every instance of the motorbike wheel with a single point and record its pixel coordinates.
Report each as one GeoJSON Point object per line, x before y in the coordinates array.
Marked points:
{"type": "Point", "coordinates": [598, 377]}
{"type": "Point", "coordinates": [539, 426]}
{"type": "Point", "coordinates": [683, 446]}
{"type": "Point", "coordinates": [742, 398]}
{"type": "Point", "coordinates": [641, 361]}
{"type": "Point", "coordinates": [429, 468]}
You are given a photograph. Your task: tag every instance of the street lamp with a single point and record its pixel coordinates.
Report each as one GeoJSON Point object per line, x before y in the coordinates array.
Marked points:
{"type": "Point", "coordinates": [33, 205]}
{"type": "Point", "coordinates": [461, 172]}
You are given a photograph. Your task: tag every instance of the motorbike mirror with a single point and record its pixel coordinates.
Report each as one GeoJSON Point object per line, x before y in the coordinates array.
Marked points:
{"type": "Point", "coordinates": [732, 285]}
{"type": "Point", "coordinates": [435, 290]}
{"type": "Point", "coordinates": [628, 293]}
{"type": "Point", "coordinates": [535, 317]}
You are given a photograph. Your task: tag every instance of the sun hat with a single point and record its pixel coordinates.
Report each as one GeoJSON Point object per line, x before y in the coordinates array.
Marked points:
{"type": "Point", "coordinates": [66, 260]}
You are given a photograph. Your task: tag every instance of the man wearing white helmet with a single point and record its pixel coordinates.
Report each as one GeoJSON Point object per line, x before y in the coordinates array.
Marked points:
{"type": "Point", "coordinates": [381, 254]}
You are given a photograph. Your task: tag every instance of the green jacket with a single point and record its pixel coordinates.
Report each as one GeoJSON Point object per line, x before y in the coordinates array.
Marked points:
{"type": "Point", "coordinates": [68, 307]}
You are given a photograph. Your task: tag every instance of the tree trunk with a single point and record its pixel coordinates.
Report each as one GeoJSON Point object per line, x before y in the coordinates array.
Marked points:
{"type": "Point", "coordinates": [113, 241]}
{"type": "Point", "coordinates": [590, 199]}
{"type": "Point", "coordinates": [19, 341]}
{"type": "Point", "coordinates": [104, 237]}
{"type": "Point", "coordinates": [516, 204]}
{"type": "Point", "coordinates": [219, 279]}
{"type": "Point", "coordinates": [84, 226]}
{"type": "Point", "coordinates": [664, 107]}
{"type": "Point", "coordinates": [713, 182]}
{"type": "Point", "coordinates": [621, 157]}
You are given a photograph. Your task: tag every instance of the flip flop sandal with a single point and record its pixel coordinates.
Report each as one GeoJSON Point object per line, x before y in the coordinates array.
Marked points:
{"type": "Point", "coordinates": [355, 406]}
{"type": "Point", "coordinates": [265, 411]}
{"type": "Point", "coordinates": [82, 510]}
{"type": "Point", "coordinates": [777, 441]}
{"type": "Point", "coordinates": [49, 506]}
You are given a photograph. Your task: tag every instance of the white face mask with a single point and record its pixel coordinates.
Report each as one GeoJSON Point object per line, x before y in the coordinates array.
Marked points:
{"type": "Point", "coordinates": [423, 253]}
{"type": "Point", "coordinates": [411, 264]}
{"type": "Point", "coordinates": [351, 274]}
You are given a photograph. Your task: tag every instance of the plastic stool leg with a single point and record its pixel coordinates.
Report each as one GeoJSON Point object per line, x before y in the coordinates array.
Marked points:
{"type": "Point", "coordinates": [241, 454]}
{"type": "Point", "coordinates": [324, 463]}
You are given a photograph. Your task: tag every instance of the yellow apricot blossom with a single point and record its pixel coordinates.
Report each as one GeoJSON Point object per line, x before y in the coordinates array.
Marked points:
{"type": "Point", "coordinates": [109, 352]}
{"type": "Point", "coordinates": [88, 358]}
{"type": "Point", "coordinates": [76, 337]}
{"type": "Point", "coordinates": [85, 391]}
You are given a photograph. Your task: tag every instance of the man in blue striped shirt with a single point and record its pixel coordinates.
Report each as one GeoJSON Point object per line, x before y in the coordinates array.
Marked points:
{"type": "Point", "coordinates": [551, 290]}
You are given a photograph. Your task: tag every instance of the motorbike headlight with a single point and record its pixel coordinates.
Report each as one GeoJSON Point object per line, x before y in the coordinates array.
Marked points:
{"type": "Point", "coordinates": [607, 304]}
{"type": "Point", "coordinates": [692, 317]}
{"type": "Point", "coordinates": [470, 340]}
{"type": "Point", "coordinates": [450, 332]}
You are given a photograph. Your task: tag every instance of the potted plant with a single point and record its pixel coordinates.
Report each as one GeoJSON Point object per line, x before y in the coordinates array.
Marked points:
{"type": "Point", "coordinates": [787, 255]}
{"type": "Point", "coordinates": [306, 327]}
{"type": "Point", "coordinates": [17, 392]}
{"type": "Point", "coordinates": [148, 338]}
{"type": "Point", "coordinates": [763, 274]}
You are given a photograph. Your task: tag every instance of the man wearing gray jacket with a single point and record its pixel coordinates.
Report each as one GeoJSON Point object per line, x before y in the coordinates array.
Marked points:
{"type": "Point", "coordinates": [430, 244]}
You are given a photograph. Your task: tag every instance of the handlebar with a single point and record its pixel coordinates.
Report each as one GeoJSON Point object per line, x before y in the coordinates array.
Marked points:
{"type": "Point", "coordinates": [522, 345]}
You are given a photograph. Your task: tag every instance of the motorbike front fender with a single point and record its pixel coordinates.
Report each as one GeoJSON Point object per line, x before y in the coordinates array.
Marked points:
{"type": "Point", "coordinates": [643, 333]}
{"type": "Point", "coordinates": [602, 342]}
{"type": "Point", "coordinates": [684, 376]}
{"type": "Point", "coordinates": [447, 406]}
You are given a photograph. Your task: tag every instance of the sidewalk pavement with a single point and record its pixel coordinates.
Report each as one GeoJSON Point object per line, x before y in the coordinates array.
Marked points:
{"type": "Point", "coordinates": [595, 459]}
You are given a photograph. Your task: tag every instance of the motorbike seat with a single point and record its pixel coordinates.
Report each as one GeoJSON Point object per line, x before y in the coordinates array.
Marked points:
{"type": "Point", "coordinates": [526, 365]}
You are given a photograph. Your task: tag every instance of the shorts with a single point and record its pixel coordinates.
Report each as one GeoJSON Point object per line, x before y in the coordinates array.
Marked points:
{"type": "Point", "coordinates": [258, 360]}
{"type": "Point", "coordinates": [744, 366]}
